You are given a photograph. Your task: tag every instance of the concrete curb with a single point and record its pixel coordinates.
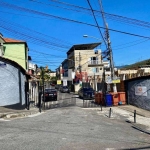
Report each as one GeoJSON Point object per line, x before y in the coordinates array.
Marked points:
{"type": "Point", "coordinates": [140, 129]}
{"type": "Point", "coordinates": [16, 115]}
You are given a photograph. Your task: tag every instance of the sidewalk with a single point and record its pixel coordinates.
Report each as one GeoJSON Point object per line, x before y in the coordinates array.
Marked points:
{"type": "Point", "coordinates": [142, 119]}
{"type": "Point", "coordinates": [126, 112]}
{"type": "Point", "coordinates": [139, 111]}
{"type": "Point", "coordinates": [13, 113]}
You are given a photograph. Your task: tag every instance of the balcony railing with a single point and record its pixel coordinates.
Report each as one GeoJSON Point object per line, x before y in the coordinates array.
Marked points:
{"type": "Point", "coordinates": [94, 62]}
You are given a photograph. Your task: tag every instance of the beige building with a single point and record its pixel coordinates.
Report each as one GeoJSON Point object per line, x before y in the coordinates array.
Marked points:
{"type": "Point", "coordinates": [142, 70]}
{"type": "Point", "coordinates": [87, 63]}
{"type": "Point", "coordinates": [52, 74]}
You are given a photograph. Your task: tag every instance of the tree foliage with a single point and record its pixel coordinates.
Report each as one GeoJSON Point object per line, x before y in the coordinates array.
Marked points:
{"type": "Point", "coordinates": [137, 64]}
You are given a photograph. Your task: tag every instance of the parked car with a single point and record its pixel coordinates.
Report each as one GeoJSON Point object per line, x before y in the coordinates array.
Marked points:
{"type": "Point", "coordinates": [86, 93]}
{"type": "Point", "coordinates": [50, 95]}
{"type": "Point", "coordinates": [57, 86]}
{"type": "Point", "coordinates": [64, 89]}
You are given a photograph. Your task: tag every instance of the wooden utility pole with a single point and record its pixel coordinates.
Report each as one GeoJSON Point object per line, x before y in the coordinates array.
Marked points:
{"type": "Point", "coordinates": [43, 87]}
{"type": "Point", "coordinates": [80, 67]}
{"type": "Point", "coordinates": [110, 54]}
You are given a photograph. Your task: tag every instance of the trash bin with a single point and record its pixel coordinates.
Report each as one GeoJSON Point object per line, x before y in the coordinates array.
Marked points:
{"type": "Point", "coordinates": [108, 100]}
{"type": "Point", "coordinates": [101, 99]}
{"type": "Point", "coordinates": [115, 98]}
{"type": "Point", "coordinates": [96, 98]}
{"type": "Point", "coordinates": [122, 97]}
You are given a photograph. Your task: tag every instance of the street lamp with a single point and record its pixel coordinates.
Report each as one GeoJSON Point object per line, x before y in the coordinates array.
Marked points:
{"type": "Point", "coordinates": [85, 35]}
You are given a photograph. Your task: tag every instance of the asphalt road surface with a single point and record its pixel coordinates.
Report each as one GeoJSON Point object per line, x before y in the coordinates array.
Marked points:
{"type": "Point", "coordinates": [70, 128]}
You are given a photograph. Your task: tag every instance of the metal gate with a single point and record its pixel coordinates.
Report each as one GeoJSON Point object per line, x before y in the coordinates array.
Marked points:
{"type": "Point", "coordinates": [59, 103]}
{"type": "Point", "coordinates": [65, 100]}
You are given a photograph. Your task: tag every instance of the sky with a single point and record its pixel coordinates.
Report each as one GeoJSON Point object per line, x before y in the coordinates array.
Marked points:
{"type": "Point", "coordinates": [52, 27]}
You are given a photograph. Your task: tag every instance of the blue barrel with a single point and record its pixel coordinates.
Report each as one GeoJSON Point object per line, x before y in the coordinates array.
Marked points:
{"type": "Point", "coordinates": [108, 100]}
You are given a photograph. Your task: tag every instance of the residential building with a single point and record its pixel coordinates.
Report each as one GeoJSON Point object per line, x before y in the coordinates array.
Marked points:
{"type": "Point", "coordinates": [59, 72]}
{"type": "Point", "coordinates": [17, 51]}
{"type": "Point", "coordinates": [32, 68]}
{"type": "Point", "coordinates": [125, 74]}
{"type": "Point", "coordinates": [52, 74]}
{"type": "Point", "coordinates": [143, 70]}
{"type": "Point", "coordinates": [67, 74]}
{"type": "Point", "coordinates": [87, 63]}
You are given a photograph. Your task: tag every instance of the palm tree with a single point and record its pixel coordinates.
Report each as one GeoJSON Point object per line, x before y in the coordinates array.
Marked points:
{"type": "Point", "coordinates": [44, 74]}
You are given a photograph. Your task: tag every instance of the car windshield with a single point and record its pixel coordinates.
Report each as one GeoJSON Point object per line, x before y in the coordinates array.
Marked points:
{"type": "Point", "coordinates": [87, 89]}
{"type": "Point", "coordinates": [65, 87]}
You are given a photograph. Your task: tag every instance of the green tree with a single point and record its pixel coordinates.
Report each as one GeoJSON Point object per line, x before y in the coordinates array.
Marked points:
{"type": "Point", "coordinates": [54, 80]}
{"type": "Point", "coordinates": [44, 74]}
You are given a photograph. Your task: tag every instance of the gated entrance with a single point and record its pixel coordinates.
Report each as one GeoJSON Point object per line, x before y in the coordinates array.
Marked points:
{"type": "Point", "coordinates": [64, 100]}
{"type": "Point", "coordinates": [60, 103]}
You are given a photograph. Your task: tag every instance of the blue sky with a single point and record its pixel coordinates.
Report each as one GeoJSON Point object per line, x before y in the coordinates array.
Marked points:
{"type": "Point", "coordinates": [49, 38]}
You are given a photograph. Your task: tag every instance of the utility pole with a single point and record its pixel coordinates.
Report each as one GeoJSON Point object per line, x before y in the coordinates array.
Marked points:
{"type": "Point", "coordinates": [43, 86]}
{"type": "Point", "coordinates": [80, 66]}
{"type": "Point", "coordinates": [110, 54]}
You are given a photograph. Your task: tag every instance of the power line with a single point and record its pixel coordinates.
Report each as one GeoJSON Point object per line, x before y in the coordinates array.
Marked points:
{"type": "Point", "coordinates": [96, 22]}
{"type": "Point", "coordinates": [70, 20]}
{"type": "Point", "coordinates": [125, 19]}
{"type": "Point", "coordinates": [32, 39]}
{"type": "Point", "coordinates": [113, 46]}
{"type": "Point", "coordinates": [59, 56]}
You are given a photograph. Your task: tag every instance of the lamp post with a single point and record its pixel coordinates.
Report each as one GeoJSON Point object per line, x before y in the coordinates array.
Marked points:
{"type": "Point", "coordinates": [86, 36]}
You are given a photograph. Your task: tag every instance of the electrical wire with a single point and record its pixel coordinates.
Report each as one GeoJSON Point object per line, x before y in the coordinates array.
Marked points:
{"type": "Point", "coordinates": [26, 33]}
{"type": "Point", "coordinates": [96, 22]}
{"type": "Point", "coordinates": [97, 13]}
{"type": "Point", "coordinates": [71, 20]}
{"type": "Point", "coordinates": [113, 46]}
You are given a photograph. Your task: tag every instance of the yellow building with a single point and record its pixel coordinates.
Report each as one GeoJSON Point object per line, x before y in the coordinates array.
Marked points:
{"type": "Point", "coordinates": [17, 51]}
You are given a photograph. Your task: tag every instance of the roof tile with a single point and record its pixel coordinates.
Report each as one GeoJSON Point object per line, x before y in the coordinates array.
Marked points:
{"type": "Point", "coordinates": [12, 40]}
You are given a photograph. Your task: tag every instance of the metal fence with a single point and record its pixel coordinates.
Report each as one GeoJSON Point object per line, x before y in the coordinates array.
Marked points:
{"type": "Point", "coordinates": [67, 102]}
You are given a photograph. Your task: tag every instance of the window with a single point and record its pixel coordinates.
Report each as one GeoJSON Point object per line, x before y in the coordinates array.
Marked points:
{"type": "Point", "coordinates": [97, 70]}
{"type": "Point", "coordinates": [94, 60]}
{"type": "Point", "coordinates": [96, 52]}
{"type": "Point", "coordinates": [107, 69]}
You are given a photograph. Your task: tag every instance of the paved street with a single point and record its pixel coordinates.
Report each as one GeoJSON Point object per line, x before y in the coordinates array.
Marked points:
{"type": "Point", "coordinates": [70, 128]}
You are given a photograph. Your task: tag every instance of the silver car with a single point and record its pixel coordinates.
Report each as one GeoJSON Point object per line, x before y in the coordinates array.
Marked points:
{"type": "Point", "coordinates": [64, 89]}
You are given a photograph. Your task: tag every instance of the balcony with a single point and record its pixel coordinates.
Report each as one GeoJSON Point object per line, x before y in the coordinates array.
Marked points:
{"type": "Point", "coordinates": [95, 63]}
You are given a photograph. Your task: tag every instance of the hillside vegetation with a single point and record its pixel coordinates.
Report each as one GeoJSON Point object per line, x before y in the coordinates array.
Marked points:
{"type": "Point", "coordinates": [136, 65]}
